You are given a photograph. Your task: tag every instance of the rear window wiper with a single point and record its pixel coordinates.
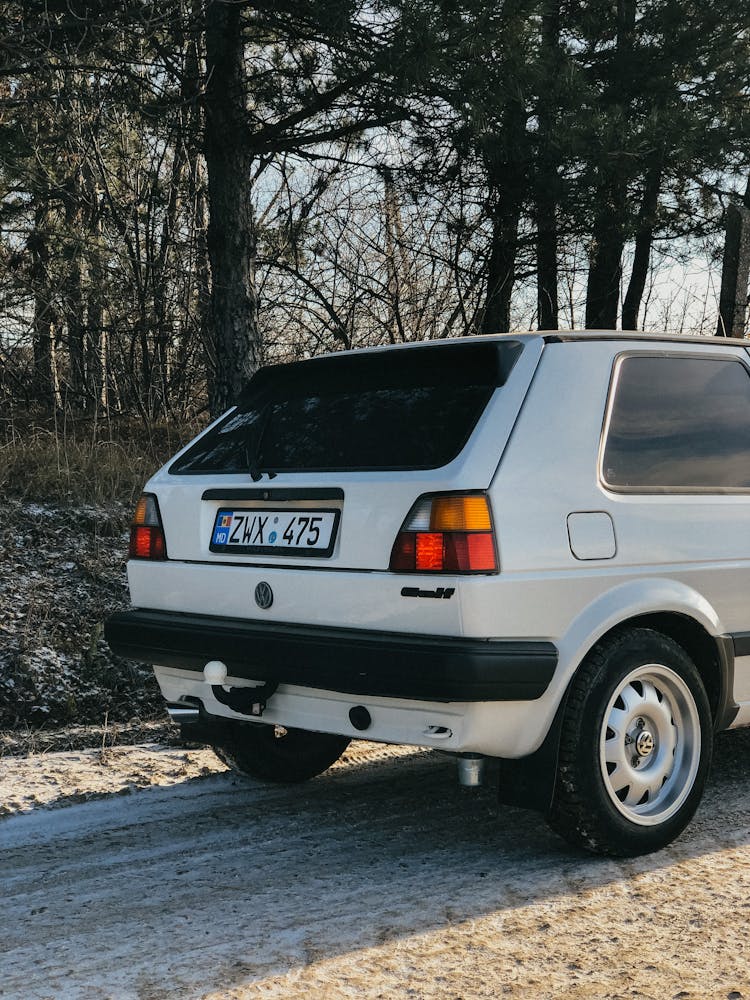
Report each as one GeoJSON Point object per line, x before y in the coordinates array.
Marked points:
{"type": "Point", "coordinates": [252, 456]}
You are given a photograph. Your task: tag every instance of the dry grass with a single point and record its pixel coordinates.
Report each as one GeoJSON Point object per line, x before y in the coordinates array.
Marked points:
{"type": "Point", "coordinates": [66, 460]}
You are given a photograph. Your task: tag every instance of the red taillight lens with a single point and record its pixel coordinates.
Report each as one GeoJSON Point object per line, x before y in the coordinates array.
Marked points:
{"type": "Point", "coordinates": [147, 543]}
{"type": "Point", "coordinates": [467, 552]}
{"type": "Point", "coordinates": [404, 552]}
{"type": "Point", "coordinates": [146, 532]}
{"type": "Point", "coordinates": [429, 550]}
{"type": "Point", "coordinates": [446, 534]}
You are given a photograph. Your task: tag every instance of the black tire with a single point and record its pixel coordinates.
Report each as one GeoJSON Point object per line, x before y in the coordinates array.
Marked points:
{"type": "Point", "coordinates": [636, 701]}
{"type": "Point", "coordinates": [273, 753]}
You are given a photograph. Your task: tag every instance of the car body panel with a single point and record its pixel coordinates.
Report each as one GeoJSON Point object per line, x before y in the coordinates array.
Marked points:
{"type": "Point", "coordinates": [536, 451]}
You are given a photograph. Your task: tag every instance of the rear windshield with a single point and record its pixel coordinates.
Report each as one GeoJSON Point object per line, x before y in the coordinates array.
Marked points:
{"type": "Point", "coordinates": [413, 408]}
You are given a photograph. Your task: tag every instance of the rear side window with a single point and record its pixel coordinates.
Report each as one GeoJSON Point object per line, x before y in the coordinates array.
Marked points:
{"type": "Point", "coordinates": [678, 425]}
{"type": "Point", "coordinates": [412, 408]}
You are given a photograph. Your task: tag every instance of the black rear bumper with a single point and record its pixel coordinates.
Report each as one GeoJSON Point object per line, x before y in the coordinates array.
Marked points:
{"type": "Point", "coordinates": [351, 661]}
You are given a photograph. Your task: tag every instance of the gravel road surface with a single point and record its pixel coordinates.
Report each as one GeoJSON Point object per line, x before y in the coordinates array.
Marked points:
{"type": "Point", "coordinates": [380, 879]}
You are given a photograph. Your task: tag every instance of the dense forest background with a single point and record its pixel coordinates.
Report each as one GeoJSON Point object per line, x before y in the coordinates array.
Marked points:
{"type": "Point", "coordinates": [192, 188]}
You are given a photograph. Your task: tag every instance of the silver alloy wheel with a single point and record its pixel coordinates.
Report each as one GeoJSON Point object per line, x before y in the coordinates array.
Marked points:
{"type": "Point", "coordinates": [650, 744]}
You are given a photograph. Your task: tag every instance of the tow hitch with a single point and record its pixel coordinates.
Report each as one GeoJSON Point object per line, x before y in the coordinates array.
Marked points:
{"type": "Point", "coordinates": [244, 700]}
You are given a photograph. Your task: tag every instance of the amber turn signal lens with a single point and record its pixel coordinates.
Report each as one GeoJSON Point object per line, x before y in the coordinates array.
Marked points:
{"type": "Point", "coordinates": [141, 509]}
{"type": "Point", "coordinates": [147, 512]}
{"type": "Point", "coordinates": [469, 513]}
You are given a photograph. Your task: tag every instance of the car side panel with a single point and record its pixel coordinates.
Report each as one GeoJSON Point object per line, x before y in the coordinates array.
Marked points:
{"type": "Point", "coordinates": [699, 544]}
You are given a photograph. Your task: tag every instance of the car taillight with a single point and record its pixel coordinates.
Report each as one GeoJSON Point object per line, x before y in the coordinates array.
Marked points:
{"type": "Point", "coordinates": [146, 533]}
{"type": "Point", "coordinates": [446, 533]}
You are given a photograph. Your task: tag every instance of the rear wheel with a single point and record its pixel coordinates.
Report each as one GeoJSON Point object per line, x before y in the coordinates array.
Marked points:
{"type": "Point", "coordinates": [274, 753]}
{"type": "Point", "coordinates": [635, 747]}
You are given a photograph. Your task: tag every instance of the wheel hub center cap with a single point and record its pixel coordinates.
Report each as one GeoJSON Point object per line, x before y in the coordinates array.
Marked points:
{"type": "Point", "coordinates": [644, 743]}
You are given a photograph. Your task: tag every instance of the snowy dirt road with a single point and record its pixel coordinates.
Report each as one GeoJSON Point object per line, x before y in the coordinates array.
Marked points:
{"type": "Point", "coordinates": [380, 879]}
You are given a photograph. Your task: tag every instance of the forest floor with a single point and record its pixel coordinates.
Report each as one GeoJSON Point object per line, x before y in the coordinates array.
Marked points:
{"type": "Point", "coordinates": [68, 488]}
{"type": "Point", "coordinates": [62, 571]}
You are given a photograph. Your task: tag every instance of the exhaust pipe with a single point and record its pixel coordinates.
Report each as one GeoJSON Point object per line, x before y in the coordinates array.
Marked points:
{"type": "Point", "coordinates": [182, 712]}
{"type": "Point", "coordinates": [470, 770]}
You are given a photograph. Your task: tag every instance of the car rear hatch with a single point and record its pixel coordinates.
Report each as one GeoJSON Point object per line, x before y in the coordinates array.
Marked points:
{"type": "Point", "coordinates": [322, 460]}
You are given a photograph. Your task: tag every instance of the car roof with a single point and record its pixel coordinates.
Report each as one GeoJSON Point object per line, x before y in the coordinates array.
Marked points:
{"type": "Point", "coordinates": [566, 336]}
{"type": "Point", "coordinates": [556, 337]}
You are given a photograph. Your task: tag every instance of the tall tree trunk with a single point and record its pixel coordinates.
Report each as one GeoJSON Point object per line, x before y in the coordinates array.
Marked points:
{"type": "Point", "coordinates": [610, 215]}
{"type": "Point", "coordinates": [508, 184]}
{"type": "Point", "coordinates": [546, 256]}
{"type": "Point", "coordinates": [203, 279]}
{"type": "Point", "coordinates": [644, 240]}
{"type": "Point", "coordinates": [605, 270]}
{"type": "Point", "coordinates": [231, 231]}
{"type": "Point", "coordinates": [163, 328]}
{"type": "Point", "coordinates": [501, 270]}
{"type": "Point", "coordinates": [72, 90]}
{"type": "Point", "coordinates": [45, 373]}
{"type": "Point", "coordinates": [546, 195]}
{"type": "Point", "coordinates": [735, 271]}
{"type": "Point", "coordinates": [96, 338]}
{"type": "Point", "coordinates": [199, 293]}
{"type": "Point", "coordinates": [391, 210]}
{"type": "Point", "coordinates": [72, 290]}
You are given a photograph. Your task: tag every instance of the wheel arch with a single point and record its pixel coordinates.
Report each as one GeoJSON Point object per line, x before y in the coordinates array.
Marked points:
{"type": "Point", "coordinates": [668, 606]}
{"type": "Point", "coordinates": [685, 617]}
{"type": "Point", "coordinates": [712, 655]}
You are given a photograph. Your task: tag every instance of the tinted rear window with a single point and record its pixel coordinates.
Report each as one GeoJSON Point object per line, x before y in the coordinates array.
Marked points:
{"type": "Point", "coordinates": [413, 408]}
{"type": "Point", "coordinates": [679, 425]}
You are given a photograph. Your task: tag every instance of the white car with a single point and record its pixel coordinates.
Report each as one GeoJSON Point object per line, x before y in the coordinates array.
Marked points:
{"type": "Point", "coordinates": [532, 548]}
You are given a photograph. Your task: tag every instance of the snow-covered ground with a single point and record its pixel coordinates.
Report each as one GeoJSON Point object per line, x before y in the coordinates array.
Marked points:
{"type": "Point", "coordinates": [379, 879]}
{"type": "Point", "coordinates": [61, 779]}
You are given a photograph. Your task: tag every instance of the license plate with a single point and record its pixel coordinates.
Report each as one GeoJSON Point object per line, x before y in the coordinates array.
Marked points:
{"type": "Point", "coordinates": [310, 532]}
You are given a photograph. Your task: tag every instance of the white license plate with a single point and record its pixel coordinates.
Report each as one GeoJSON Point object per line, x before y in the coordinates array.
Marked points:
{"type": "Point", "coordinates": [275, 531]}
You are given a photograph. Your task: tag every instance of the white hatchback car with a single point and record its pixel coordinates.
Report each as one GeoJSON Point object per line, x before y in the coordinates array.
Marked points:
{"type": "Point", "coordinates": [532, 548]}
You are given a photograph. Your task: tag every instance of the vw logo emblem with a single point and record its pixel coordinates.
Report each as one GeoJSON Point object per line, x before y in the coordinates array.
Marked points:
{"type": "Point", "coordinates": [263, 595]}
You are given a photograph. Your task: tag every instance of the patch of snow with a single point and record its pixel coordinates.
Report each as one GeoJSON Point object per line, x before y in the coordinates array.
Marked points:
{"type": "Point", "coordinates": [38, 510]}
{"type": "Point", "coordinates": [57, 779]}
